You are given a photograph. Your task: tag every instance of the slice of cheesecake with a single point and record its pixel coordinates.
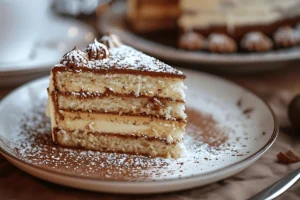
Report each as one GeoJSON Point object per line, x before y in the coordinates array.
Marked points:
{"type": "Point", "coordinates": [114, 98]}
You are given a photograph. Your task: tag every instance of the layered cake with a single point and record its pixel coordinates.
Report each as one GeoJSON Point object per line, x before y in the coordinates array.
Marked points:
{"type": "Point", "coordinates": [240, 21]}
{"type": "Point", "coordinates": [114, 98]}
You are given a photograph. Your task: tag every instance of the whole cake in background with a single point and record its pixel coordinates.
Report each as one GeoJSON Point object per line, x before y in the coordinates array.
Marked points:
{"type": "Point", "coordinates": [114, 98]}
{"type": "Point", "coordinates": [224, 26]}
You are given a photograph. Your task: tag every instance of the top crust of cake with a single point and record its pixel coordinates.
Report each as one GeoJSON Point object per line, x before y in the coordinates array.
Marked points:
{"type": "Point", "coordinates": [121, 59]}
{"type": "Point", "coordinates": [125, 57]}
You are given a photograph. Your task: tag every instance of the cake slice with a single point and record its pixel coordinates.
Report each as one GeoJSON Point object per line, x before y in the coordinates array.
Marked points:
{"type": "Point", "coordinates": [146, 16]}
{"type": "Point", "coordinates": [114, 98]}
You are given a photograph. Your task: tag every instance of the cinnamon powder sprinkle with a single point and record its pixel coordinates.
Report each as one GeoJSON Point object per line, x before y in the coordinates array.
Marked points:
{"type": "Point", "coordinates": [248, 111]}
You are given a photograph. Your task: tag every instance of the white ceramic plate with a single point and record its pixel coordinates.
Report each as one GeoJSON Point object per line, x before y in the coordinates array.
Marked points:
{"type": "Point", "coordinates": [228, 129]}
{"type": "Point", "coordinates": [58, 36]}
{"type": "Point", "coordinates": [115, 21]}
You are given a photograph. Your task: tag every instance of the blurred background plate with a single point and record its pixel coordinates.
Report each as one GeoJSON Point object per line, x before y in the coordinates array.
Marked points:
{"type": "Point", "coordinates": [58, 36]}
{"type": "Point", "coordinates": [114, 20]}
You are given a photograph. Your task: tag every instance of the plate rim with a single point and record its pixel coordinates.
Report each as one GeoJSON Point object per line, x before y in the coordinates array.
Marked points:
{"type": "Point", "coordinates": [255, 155]}
{"type": "Point", "coordinates": [191, 57]}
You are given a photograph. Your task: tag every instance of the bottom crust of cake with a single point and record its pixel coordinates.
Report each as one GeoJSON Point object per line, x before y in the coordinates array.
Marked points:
{"type": "Point", "coordinates": [117, 143]}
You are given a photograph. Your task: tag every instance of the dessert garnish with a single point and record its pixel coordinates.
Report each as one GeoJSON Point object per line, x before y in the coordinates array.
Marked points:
{"type": "Point", "coordinates": [285, 37]}
{"type": "Point", "coordinates": [256, 42]}
{"type": "Point", "coordinates": [74, 58]}
{"type": "Point", "coordinates": [192, 41]}
{"type": "Point", "coordinates": [97, 51]}
{"type": "Point", "coordinates": [221, 43]}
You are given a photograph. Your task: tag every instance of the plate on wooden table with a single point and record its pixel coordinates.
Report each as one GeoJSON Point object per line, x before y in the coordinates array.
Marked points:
{"type": "Point", "coordinates": [163, 45]}
{"type": "Point", "coordinates": [229, 128]}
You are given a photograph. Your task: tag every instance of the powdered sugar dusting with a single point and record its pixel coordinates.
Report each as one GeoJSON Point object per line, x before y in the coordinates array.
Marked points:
{"type": "Point", "coordinates": [204, 141]}
{"type": "Point", "coordinates": [191, 37]}
{"type": "Point", "coordinates": [76, 57]}
{"type": "Point", "coordinates": [112, 55]}
{"type": "Point", "coordinates": [97, 46]}
{"type": "Point", "coordinates": [218, 38]}
{"type": "Point", "coordinates": [254, 36]}
{"type": "Point", "coordinates": [97, 51]}
{"type": "Point", "coordinates": [125, 57]}
{"type": "Point", "coordinates": [284, 33]}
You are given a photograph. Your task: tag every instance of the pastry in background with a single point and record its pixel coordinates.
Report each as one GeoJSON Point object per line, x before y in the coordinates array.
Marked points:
{"type": "Point", "coordinates": [233, 18]}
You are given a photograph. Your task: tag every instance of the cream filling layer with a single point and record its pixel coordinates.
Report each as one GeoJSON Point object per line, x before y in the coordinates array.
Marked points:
{"type": "Point", "coordinates": [124, 105]}
{"type": "Point", "coordinates": [171, 131]}
{"type": "Point", "coordinates": [118, 144]}
{"type": "Point", "coordinates": [166, 87]}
